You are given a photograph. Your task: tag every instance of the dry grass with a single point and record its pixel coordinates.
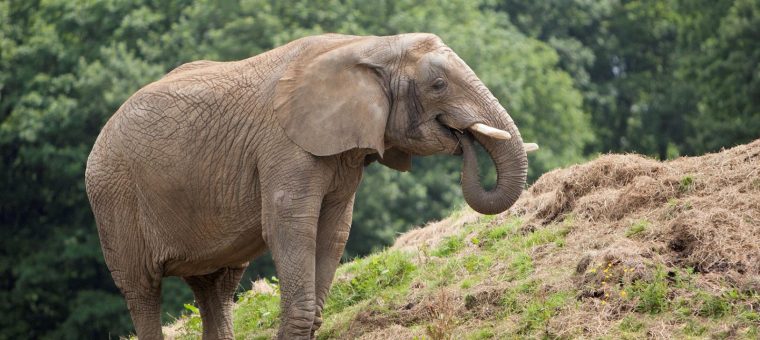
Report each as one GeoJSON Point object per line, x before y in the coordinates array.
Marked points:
{"type": "Point", "coordinates": [703, 212]}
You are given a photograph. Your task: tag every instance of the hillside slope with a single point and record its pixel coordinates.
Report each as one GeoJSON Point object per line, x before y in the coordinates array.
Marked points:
{"type": "Point", "coordinates": [619, 247]}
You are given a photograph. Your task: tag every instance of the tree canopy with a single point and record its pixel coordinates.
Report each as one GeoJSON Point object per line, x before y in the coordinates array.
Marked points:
{"type": "Point", "coordinates": [579, 77]}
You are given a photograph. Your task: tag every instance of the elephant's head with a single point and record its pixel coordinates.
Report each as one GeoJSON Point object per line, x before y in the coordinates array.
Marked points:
{"type": "Point", "coordinates": [400, 96]}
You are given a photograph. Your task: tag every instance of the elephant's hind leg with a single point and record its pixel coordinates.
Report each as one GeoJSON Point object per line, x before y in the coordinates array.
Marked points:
{"type": "Point", "coordinates": [143, 295]}
{"type": "Point", "coordinates": [126, 255]}
{"type": "Point", "coordinates": [214, 293]}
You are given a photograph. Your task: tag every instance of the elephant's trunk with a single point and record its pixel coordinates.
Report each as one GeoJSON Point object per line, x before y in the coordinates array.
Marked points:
{"type": "Point", "coordinates": [511, 172]}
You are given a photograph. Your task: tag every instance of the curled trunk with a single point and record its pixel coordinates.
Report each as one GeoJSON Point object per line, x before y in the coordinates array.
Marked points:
{"type": "Point", "coordinates": [511, 173]}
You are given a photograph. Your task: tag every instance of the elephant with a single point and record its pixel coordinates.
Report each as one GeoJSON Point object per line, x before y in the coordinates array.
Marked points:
{"type": "Point", "coordinates": [205, 169]}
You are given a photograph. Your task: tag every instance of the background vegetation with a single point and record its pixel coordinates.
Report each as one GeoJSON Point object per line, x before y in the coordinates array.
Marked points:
{"type": "Point", "coordinates": [659, 77]}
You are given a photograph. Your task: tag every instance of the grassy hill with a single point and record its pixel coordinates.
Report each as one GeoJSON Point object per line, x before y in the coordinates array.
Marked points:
{"type": "Point", "coordinates": [622, 247]}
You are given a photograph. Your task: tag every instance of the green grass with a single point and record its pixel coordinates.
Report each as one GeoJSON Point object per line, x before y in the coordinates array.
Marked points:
{"type": "Point", "coordinates": [631, 324]}
{"type": "Point", "coordinates": [450, 245]}
{"type": "Point", "coordinates": [257, 311]}
{"type": "Point", "coordinates": [369, 276]}
{"type": "Point", "coordinates": [713, 306]}
{"type": "Point", "coordinates": [694, 328]}
{"type": "Point", "coordinates": [486, 333]}
{"type": "Point", "coordinates": [537, 313]}
{"type": "Point", "coordinates": [521, 266]}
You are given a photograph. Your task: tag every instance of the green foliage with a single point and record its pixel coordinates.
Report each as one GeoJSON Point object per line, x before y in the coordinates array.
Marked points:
{"type": "Point", "coordinates": [522, 305]}
{"type": "Point", "coordinates": [546, 235]}
{"type": "Point", "coordinates": [727, 88]}
{"type": "Point", "coordinates": [257, 310]}
{"type": "Point", "coordinates": [652, 294]}
{"type": "Point", "coordinates": [193, 323]}
{"type": "Point", "coordinates": [658, 77]}
{"type": "Point", "coordinates": [489, 236]}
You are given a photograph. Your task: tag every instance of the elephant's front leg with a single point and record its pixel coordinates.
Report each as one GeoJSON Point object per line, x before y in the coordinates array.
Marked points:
{"type": "Point", "coordinates": [290, 231]}
{"type": "Point", "coordinates": [332, 234]}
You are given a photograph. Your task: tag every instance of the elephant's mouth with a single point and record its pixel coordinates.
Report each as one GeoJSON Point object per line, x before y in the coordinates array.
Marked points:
{"type": "Point", "coordinates": [452, 144]}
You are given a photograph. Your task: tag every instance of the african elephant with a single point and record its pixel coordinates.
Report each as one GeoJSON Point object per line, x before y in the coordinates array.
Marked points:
{"type": "Point", "coordinates": [207, 168]}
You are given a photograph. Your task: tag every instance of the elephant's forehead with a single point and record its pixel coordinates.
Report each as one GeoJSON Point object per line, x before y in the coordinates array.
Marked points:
{"type": "Point", "coordinates": [454, 61]}
{"type": "Point", "coordinates": [440, 57]}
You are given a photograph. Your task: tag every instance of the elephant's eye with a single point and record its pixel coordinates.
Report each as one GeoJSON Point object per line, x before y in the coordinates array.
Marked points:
{"type": "Point", "coordinates": [439, 84]}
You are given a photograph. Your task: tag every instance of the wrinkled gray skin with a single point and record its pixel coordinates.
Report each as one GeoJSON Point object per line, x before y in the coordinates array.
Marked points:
{"type": "Point", "coordinates": [203, 170]}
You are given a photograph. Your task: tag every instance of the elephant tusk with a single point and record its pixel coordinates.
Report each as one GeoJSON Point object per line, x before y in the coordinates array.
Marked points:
{"type": "Point", "coordinates": [530, 147]}
{"type": "Point", "coordinates": [490, 131]}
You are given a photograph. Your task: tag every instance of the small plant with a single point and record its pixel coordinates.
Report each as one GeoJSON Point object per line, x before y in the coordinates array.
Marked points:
{"type": "Point", "coordinates": [674, 206]}
{"type": "Point", "coordinates": [637, 228]}
{"type": "Point", "coordinates": [755, 184]}
{"type": "Point", "coordinates": [497, 233]}
{"type": "Point", "coordinates": [193, 324]}
{"type": "Point", "coordinates": [686, 184]}
{"type": "Point", "coordinates": [752, 332]}
{"type": "Point", "coordinates": [539, 237]}
{"type": "Point", "coordinates": [444, 317]}
{"type": "Point", "coordinates": [682, 308]}
{"type": "Point", "coordinates": [653, 294]}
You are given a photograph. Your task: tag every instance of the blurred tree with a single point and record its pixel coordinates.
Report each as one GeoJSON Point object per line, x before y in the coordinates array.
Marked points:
{"type": "Point", "coordinates": [620, 54]}
{"type": "Point", "coordinates": [724, 66]}
{"type": "Point", "coordinates": [63, 74]}
{"type": "Point", "coordinates": [657, 77]}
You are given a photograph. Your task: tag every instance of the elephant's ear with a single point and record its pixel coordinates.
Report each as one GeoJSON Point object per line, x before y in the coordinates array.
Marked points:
{"type": "Point", "coordinates": [333, 100]}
